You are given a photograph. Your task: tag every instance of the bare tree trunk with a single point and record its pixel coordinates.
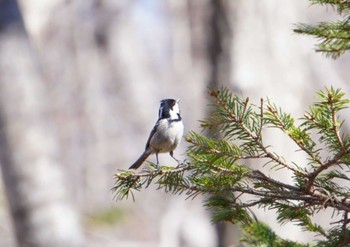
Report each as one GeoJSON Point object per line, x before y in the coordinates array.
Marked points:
{"type": "Point", "coordinates": [38, 200]}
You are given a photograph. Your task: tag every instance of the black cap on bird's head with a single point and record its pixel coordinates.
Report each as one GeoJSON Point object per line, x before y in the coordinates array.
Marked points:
{"type": "Point", "coordinates": [166, 106]}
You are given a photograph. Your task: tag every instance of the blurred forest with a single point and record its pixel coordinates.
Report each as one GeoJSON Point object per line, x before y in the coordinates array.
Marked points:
{"type": "Point", "coordinates": [80, 85]}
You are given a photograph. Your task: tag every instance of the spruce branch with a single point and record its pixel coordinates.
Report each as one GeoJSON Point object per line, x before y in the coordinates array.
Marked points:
{"type": "Point", "coordinates": [278, 119]}
{"type": "Point", "coordinates": [128, 181]}
{"type": "Point", "coordinates": [259, 234]}
{"type": "Point", "coordinates": [334, 37]}
{"type": "Point", "coordinates": [323, 118]}
{"type": "Point", "coordinates": [217, 167]}
{"type": "Point", "coordinates": [344, 228]}
{"type": "Point", "coordinates": [340, 5]}
{"type": "Point", "coordinates": [231, 111]}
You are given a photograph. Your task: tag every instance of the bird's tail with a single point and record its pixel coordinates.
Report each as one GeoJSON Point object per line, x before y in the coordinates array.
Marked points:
{"type": "Point", "coordinates": [140, 160]}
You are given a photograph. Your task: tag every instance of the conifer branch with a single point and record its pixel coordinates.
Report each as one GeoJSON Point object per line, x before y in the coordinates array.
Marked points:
{"type": "Point", "coordinates": [255, 138]}
{"type": "Point", "coordinates": [216, 168]}
{"type": "Point", "coordinates": [334, 36]}
{"type": "Point", "coordinates": [127, 181]}
{"type": "Point", "coordinates": [333, 162]}
{"type": "Point", "coordinates": [344, 228]}
{"type": "Point", "coordinates": [299, 137]}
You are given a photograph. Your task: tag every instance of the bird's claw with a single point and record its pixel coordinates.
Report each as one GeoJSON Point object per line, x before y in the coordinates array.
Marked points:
{"type": "Point", "coordinates": [181, 164]}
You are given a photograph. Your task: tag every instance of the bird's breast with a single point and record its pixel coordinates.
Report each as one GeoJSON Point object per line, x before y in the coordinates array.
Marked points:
{"type": "Point", "coordinates": [168, 135]}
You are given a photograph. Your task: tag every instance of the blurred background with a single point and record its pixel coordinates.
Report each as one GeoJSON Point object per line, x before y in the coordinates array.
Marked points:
{"type": "Point", "coordinates": [81, 83]}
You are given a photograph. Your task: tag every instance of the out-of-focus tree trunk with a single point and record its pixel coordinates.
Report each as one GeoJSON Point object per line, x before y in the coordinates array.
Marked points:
{"type": "Point", "coordinates": [219, 38]}
{"type": "Point", "coordinates": [38, 200]}
{"type": "Point", "coordinates": [219, 57]}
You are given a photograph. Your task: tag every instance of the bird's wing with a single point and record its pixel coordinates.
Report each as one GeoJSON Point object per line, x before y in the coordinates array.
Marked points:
{"type": "Point", "coordinates": [151, 135]}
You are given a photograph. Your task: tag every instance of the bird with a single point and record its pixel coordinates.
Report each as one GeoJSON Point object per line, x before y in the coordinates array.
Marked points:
{"type": "Point", "coordinates": [167, 133]}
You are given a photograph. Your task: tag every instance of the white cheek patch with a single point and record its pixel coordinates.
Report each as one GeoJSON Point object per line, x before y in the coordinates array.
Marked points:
{"type": "Point", "coordinates": [174, 112]}
{"type": "Point", "coordinates": [176, 108]}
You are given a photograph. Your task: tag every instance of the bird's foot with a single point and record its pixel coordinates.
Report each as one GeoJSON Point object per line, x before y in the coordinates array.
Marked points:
{"type": "Point", "coordinates": [157, 168]}
{"type": "Point", "coordinates": [181, 163]}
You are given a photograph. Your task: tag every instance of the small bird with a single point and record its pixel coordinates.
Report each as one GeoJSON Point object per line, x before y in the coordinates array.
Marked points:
{"type": "Point", "coordinates": [166, 134]}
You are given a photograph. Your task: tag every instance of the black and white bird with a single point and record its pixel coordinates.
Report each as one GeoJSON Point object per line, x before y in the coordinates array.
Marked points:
{"type": "Point", "coordinates": [166, 134]}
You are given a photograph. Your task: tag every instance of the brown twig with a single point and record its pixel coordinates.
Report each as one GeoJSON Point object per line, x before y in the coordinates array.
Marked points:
{"type": "Point", "coordinates": [335, 125]}
{"type": "Point", "coordinates": [333, 162]}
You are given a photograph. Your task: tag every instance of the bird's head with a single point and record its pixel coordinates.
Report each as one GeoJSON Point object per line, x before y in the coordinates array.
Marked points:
{"type": "Point", "coordinates": [169, 108]}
